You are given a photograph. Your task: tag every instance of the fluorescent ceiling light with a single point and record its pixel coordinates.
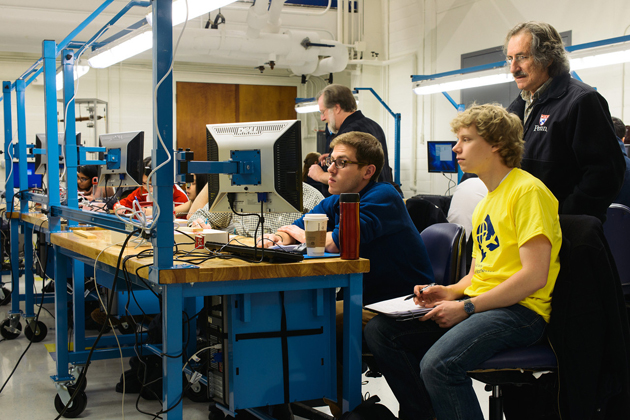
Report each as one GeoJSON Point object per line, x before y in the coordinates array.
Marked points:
{"type": "Point", "coordinates": [79, 71]}
{"type": "Point", "coordinates": [126, 48]}
{"type": "Point", "coordinates": [590, 58]}
{"type": "Point", "coordinates": [462, 81]}
{"type": "Point", "coordinates": [306, 107]}
{"type": "Point", "coordinates": [196, 8]}
{"type": "Point", "coordinates": [606, 54]}
{"type": "Point", "coordinates": [136, 43]}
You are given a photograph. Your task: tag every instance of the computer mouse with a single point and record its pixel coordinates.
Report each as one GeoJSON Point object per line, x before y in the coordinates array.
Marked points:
{"type": "Point", "coordinates": [301, 248]}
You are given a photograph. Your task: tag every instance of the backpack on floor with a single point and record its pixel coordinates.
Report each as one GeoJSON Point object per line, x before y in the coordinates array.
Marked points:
{"type": "Point", "coordinates": [370, 410]}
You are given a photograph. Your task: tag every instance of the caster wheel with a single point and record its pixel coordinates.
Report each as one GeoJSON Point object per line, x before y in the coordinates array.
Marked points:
{"type": "Point", "coordinates": [7, 296]}
{"type": "Point", "coordinates": [217, 414]}
{"type": "Point", "coordinates": [199, 393]}
{"type": "Point", "coordinates": [76, 406]}
{"type": "Point", "coordinates": [38, 335]}
{"type": "Point", "coordinates": [6, 333]}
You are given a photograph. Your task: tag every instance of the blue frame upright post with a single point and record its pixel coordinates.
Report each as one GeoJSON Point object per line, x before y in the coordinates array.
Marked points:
{"type": "Point", "coordinates": [163, 109]}
{"type": "Point", "coordinates": [67, 61]}
{"type": "Point", "coordinates": [397, 118]}
{"type": "Point", "coordinates": [49, 54]}
{"type": "Point", "coordinates": [162, 232]}
{"type": "Point", "coordinates": [29, 297]}
{"type": "Point", "coordinates": [14, 224]}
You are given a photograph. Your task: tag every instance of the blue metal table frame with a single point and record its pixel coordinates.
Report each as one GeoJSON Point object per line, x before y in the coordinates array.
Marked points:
{"type": "Point", "coordinates": [174, 295]}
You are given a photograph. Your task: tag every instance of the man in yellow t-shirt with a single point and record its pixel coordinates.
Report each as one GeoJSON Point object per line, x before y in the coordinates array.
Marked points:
{"type": "Point", "coordinates": [503, 302]}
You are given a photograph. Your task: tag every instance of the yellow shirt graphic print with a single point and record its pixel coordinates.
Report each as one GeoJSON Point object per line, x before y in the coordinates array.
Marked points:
{"type": "Point", "coordinates": [519, 209]}
{"type": "Point", "coordinates": [486, 237]}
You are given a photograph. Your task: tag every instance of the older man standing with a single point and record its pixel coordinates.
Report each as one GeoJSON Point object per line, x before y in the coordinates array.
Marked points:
{"type": "Point", "coordinates": [569, 138]}
{"type": "Point", "coordinates": [338, 108]}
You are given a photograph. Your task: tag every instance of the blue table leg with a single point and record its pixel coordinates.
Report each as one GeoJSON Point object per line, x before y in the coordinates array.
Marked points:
{"type": "Point", "coordinates": [172, 301]}
{"type": "Point", "coordinates": [15, 268]}
{"type": "Point", "coordinates": [78, 304]}
{"type": "Point", "coordinates": [352, 305]}
{"type": "Point", "coordinates": [61, 315]}
{"type": "Point", "coordinates": [29, 294]}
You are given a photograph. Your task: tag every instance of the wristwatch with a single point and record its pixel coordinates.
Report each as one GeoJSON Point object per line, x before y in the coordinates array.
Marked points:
{"type": "Point", "coordinates": [469, 307]}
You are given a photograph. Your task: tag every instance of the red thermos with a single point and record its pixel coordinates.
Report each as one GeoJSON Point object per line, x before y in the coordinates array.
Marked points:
{"type": "Point", "coordinates": [349, 230]}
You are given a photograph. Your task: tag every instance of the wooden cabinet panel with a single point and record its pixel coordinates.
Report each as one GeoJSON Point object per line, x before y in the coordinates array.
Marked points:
{"type": "Point", "coordinates": [199, 104]}
{"type": "Point", "coordinates": [266, 103]}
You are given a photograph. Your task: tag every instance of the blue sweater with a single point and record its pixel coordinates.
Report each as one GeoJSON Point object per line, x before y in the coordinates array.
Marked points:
{"type": "Point", "coordinates": [389, 239]}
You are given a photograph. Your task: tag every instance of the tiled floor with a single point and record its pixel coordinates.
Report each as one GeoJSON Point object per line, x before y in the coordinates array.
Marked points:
{"type": "Point", "coordinates": [30, 392]}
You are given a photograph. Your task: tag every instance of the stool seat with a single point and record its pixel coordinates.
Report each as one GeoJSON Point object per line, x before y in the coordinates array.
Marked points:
{"type": "Point", "coordinates": [513, 367]}
{"type": "Point", "coordinates": [537, 357]}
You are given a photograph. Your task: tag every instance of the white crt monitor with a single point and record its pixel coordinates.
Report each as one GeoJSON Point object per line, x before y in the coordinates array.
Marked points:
{"type": "Point", "coordinates": [275, 148]}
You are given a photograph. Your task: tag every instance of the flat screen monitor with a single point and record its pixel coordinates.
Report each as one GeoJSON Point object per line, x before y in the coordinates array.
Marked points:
{"type": "Point", "coordinates": [275, 148]}
{"type": "Point", "coordinates": [123, 156]}
{"type": "Point", "coordinates": [41, 160]}
{"type": "Point", "coordinates": [34, 180]}
{"type": "Point", "coordinates": [441, 156]}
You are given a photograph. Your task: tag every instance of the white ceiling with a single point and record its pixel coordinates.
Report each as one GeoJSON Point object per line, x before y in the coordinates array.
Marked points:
{"type": "Point", "coordinates": [24, 24]}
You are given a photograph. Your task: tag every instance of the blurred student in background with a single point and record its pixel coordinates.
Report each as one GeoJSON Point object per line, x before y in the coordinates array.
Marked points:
{"type": "Point", "coordinates": [141, 194]}
{"type": "Point", "coordinates": [192, 190]}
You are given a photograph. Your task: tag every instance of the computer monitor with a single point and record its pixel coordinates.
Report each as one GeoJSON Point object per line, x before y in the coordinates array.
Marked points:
{"type": "Point", "coordinates": [123, 156]}
{"type": "Point", "coordinates": [441, 157]}
{"type": "Point", "coordinates": [41, 160]}
{"type": "Point", "coordinates": [275, 150]}
{"type": "Point", "coordinates": [34, 180]}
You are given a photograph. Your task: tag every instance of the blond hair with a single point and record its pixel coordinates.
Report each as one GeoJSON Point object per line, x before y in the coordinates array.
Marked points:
{"type": "Point", "coordinates": [498, 128]}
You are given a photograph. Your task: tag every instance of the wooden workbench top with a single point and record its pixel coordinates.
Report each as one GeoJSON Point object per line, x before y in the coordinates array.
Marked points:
{"type": "Point", "coordinates": [212, 270]}
{"type": "Point", "coordinates": [35, 218]}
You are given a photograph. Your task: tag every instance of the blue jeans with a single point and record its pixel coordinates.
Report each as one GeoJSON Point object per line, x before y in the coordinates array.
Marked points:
{"type": "Point", "coordinates": [425, 365]}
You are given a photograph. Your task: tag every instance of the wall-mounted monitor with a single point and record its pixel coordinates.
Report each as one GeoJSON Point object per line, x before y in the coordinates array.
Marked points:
{"type": "Point", "coordinates": [41, 160]}
{"type": "Point", "coordinates": [275, 148]}
{"type": "Point", "coordinates": [441, 157]}
{"type": "Point", "coordinates": [123, 156]}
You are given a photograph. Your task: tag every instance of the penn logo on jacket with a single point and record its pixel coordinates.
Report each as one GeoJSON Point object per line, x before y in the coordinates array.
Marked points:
{"type": "Point", "coordinates": [543, 119]}
{"type": "Point", "coordinates": [542, 127]}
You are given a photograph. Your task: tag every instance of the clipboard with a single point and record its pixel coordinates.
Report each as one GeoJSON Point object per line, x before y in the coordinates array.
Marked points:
{"type": "Point", "coordinates": [399, 308]}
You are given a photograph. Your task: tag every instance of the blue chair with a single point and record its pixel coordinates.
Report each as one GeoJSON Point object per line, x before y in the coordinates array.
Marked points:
{"type": "Point", "coordinates": [617, 232]}
{"type": "Point", "coordinates": [445, 243]}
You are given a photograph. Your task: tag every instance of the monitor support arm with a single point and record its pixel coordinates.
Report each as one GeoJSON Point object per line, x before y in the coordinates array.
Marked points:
{"type": "Point", "coordinates": [245, 167]}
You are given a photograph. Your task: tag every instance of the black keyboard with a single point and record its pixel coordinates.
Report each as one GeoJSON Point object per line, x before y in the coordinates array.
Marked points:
{"type": "Point", "coordinates": [269, 255]}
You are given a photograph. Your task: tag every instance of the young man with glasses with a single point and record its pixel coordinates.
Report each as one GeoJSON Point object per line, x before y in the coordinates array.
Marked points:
{"type": "Point", "coordinates": [389, 239]}
{"type": "Point", "coordinates": [570, 142]}
{"type": "Point", "coordinates": [338, 108]}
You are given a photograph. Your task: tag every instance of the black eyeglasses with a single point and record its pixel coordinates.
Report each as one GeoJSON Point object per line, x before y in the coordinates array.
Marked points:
{"type": "Point", "coordinates": [340, 163]}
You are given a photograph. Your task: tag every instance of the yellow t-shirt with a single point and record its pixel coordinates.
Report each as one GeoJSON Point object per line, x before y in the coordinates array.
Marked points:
{"type": "Point", "coordinates": [520, 208]}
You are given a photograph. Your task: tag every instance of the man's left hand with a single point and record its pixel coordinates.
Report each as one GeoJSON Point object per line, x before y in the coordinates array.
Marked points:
{"type": "Point", "coordinates": [295, 232]}
{"type": "Point", "coordinates": [446, 314]}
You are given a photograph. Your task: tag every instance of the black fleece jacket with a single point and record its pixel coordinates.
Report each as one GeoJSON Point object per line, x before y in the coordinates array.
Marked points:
{"type": "Point", "coordinates": [570, 145]}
